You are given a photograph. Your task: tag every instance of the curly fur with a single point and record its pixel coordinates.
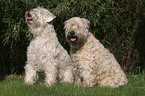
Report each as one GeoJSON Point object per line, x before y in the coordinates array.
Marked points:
{"type": "Point", "coordinates": [45, 53]}
{"type": "Point", "coordinates": [93, 64]}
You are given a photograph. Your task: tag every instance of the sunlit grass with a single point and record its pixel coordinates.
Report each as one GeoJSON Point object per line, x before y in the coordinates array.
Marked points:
{"type": "Point", "coordinates": [15, 86]}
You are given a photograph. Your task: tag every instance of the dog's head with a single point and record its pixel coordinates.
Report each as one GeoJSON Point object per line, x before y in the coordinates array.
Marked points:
{"type": "Point", "coordinates": [76, 31]}
{"type": "Point", "coordinates": [38, 17]}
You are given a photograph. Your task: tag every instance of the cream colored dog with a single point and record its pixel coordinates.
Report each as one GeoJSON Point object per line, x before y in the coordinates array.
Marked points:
{"type": "Point", "coordinates": [93, 63]}
{"type": "Point", "coordinates": [45, 53]}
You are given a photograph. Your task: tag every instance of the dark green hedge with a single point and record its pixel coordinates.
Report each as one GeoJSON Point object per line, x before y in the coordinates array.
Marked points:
{"type": "Point", "coordinates": [118, 24]}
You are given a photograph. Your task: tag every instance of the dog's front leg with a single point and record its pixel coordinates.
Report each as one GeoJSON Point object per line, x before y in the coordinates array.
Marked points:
{"type": "Point", "coordinates": [51, 74]}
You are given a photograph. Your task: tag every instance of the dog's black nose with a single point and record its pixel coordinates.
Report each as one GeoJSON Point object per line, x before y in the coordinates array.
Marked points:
{"type": "Point", "coordinates": [72, 33]}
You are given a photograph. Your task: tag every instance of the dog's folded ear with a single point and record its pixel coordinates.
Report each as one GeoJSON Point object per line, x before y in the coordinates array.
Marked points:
{"type": "Point", "coordinates": [86, 22]}
{"type": "Point", "coordinates": [66, 24]}
{"type": "Point", "coordinates": [45, 14]}
{"type": "Point", "coordinates": [49, 16]}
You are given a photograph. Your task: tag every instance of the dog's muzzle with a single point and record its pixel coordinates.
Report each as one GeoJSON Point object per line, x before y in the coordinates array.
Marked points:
{"type": "Point", "coordinates": [72, 36]}
{"type": "Point", "coordinates": [28, 17]}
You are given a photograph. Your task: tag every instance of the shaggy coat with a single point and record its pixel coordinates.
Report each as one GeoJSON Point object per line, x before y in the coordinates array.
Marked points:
{"type": "Point", "coordinates": [45, 53]}
{"type": "Point", "coordinates": [93, 64]}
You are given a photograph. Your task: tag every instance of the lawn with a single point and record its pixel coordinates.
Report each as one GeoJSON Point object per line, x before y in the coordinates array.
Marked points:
{"type": "Point", "coordinates": [15, 86]}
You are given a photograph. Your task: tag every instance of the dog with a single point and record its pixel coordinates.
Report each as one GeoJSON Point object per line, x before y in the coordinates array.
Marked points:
{"type": "Point", "coordinates": [45, 54]}
{"type": "Point", "coordinates": [93, 64]}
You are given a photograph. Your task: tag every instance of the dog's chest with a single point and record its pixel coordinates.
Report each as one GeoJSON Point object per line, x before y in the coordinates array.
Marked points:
{"type": "Point", "coordinates": [44, 47]}
{"type": "Point", "coordinates": [83, 58]}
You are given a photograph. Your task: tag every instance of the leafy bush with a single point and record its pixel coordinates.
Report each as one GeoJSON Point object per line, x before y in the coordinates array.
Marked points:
{"type": "Point", "coordinates": [118, 24]}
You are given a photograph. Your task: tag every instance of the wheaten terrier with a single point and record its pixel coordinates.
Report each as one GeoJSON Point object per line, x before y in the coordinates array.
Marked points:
{"type": "Point", "coordinates": [45, 53]}
{"type": "Point", "coordinates": [93, 63]}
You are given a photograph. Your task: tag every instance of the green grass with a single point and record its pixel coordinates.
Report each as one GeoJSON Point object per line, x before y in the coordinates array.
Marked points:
{"type": "Point", "coordinates": [15, 86]}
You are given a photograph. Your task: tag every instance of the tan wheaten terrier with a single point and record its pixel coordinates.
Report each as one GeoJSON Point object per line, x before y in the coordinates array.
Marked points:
{"type": "Point", "coordinates": [93, 63]}
{"type": "Point", "coordinates": [45, 53]}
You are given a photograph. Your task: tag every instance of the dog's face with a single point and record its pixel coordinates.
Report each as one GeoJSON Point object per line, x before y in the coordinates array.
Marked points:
{"type": "Point", "coordinates": [76, 31]}
{"type": "Point", "coordinates": [38, 17]}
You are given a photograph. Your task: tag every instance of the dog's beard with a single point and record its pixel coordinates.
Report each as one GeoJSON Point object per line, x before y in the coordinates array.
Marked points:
{"type": "Point", "coordinates": [75, 42]}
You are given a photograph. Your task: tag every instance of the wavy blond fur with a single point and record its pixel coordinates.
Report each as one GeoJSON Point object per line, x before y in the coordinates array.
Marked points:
{"type": "Point", "coordinates": [45, 53]}
{"type": "Point", "coordinates": [93, 64]}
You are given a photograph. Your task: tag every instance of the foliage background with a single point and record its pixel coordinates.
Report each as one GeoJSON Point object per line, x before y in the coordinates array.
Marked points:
{"type": "Point", "coordinates": [118, 24]}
